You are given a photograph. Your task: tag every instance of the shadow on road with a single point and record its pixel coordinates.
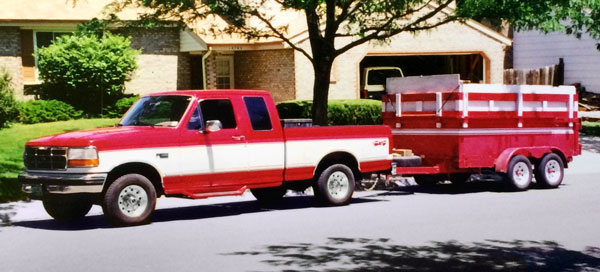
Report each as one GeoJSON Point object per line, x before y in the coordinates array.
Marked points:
{"type": "Point", "coordinates": [348, 254]}
{"type": "Point", "coordinates": [590, 143]}
{"type": "Point", "coordinates": [186, 213]}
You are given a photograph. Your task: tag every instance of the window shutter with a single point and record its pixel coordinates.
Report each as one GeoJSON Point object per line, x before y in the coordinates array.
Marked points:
{"type": "Point", "coordinates": [27, 59]}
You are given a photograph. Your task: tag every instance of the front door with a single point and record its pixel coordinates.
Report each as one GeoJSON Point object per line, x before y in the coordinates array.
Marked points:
{"type": "Point", "coordinates": [215, 158]}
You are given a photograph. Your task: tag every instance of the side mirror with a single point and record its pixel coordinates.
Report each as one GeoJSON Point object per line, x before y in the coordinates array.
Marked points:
{"type": "Point", "coordinates": [213, 126]}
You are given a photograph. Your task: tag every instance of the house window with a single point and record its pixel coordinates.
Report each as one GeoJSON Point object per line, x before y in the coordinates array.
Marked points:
{"type": "Point", "coordinates": [224, 72]}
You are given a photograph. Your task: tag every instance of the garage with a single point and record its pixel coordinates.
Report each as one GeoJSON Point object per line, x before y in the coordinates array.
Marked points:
{"type": "Point", "coordinates": [471, 67]}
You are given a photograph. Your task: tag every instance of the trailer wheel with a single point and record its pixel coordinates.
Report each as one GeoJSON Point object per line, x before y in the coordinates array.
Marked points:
{"type": "Point", "coordinates": [269, 195]}
{"type": "Point", "coordinates": [67, 207]}
{"type": "Point", "coordinates": [549, 172]}
{"type": "Point", "coordinates": [335, 185]}
{"type": "Point", "coordinates": [129, 200]}
{"type": "Point", "coordinates": [519, 173]}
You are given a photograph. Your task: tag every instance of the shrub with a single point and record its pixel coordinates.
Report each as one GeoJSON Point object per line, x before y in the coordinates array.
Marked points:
{"type": "Point", "coordinates": [41, 111]}
{"type": "Point", "coordinates": [9, 107]}
{"type": "Point", "coordinates": [591, 128]}
{"type": "Point", "coordinates": [86, 71]}
{"type": "Point", "coordinates": [120, 107]}
{"type": "Point", "coordinates": [339, 112]}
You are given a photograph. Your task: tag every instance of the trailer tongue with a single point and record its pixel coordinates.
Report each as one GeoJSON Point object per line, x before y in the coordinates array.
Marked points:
{"type": "Point", "coordinates": [518, 131]}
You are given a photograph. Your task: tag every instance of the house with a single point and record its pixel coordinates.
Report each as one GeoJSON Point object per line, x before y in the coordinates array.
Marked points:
{"type": "Point", "coordinates": [581, 57]}
{"type": "Point", "coordinates": [192, 59]}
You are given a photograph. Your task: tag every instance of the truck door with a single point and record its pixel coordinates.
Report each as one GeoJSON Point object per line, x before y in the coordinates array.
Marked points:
{"type": "Point", "coordinates": [266, 153]}
{"type": "Point", "coordinates": [213, 158]}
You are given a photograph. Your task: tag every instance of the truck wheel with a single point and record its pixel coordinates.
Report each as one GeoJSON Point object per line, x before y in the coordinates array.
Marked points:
{"type": "Point", "coordinates": [335, 185]}
{"type": "Point", "coordinates": [549, 172]}
{"type": "Point", "coordinates": [270, 195]}
{"type": "Point", "coordinates": [129, 200]}
{"type": "Point", "coordinates": [67, 207]}
{"type": "Point", "coordinates": [519, 173]}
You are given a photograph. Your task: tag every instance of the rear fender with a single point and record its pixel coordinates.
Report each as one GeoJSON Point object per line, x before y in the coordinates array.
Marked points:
{"type": "Point", "coordinates": [536, 153]}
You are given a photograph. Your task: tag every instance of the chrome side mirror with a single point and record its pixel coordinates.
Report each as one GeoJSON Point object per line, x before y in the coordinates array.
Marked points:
{"type": "Point", "coordinates": [213, 126]}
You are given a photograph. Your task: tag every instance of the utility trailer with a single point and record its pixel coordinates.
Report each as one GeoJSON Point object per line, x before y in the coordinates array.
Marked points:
{"type": "Point", "coordinates": [456, 129]}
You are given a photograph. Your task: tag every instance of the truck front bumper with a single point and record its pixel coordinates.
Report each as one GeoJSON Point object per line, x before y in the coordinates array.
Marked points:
{"type": "Point", "coordinates": [40, 184]}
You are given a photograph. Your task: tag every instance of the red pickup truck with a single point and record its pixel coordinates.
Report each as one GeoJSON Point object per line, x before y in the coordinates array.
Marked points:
{"type": "Point", "coordinates": [197, 144]}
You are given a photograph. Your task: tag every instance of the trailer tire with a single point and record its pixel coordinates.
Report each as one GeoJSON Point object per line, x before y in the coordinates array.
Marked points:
{"type": "Point", "coordinates": [129, 200]}
{"type": "Point", "coordinates": [269, 195]}
{"type": "Point", "coordinates": [335, 185]}
{"type": "Point", "coordinates": [67, 207]}
{"type": "Point", "coordinates": [549, 172]}
{"type": "Point", "coordinates": [519, 174]}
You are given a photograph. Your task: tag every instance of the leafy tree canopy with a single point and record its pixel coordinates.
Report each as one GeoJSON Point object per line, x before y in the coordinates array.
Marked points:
{"type": "Point", "coordinates": [359, 22]}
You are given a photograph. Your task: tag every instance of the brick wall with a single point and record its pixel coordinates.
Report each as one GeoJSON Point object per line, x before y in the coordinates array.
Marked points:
{"type": "Point", "coordinates": [10, 56]}
{"type": "Point", "coordinates": [271, 70]}
{"type": "Point", "coordinates": [161, 66]}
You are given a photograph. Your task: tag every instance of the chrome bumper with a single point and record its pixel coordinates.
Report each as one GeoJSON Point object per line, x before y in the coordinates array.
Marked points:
{"type": "Point", "coordinates": [38, 184]}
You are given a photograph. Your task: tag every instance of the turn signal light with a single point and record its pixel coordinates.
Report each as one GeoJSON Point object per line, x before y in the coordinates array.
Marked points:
{"type": "Point", "coordinates": [83, 163]}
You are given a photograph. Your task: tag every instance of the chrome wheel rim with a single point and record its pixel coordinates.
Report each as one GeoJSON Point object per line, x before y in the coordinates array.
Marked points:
{"type": "Point", "coordinates": [338, 185]}
{"type": "Point", "coordinates": [552, 172]}
{"type": "Point", "coordinates": [521, 174]}
{"type": "Point", "coordinates": [133, 200]}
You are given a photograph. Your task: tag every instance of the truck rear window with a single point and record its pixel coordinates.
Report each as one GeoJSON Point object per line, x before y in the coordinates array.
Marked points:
{"type": "Point", "coordinates": [259, 115]}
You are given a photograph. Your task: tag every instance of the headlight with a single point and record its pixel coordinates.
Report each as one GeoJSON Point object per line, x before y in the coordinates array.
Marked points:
{"type": "Point", "coordinates": [83, 157]}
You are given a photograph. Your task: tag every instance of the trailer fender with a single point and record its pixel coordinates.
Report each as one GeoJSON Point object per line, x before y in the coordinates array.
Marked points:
{"type": "Point", "coordinates": [501, 163]}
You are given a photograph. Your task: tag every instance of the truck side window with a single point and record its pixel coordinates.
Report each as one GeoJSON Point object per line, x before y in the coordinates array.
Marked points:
{"type": "Point", "coordinates": [218, 109]}
{"type": "Point", "coordinates": [259, 115]}
{"type": "Point", "coordinates": [195, 122]}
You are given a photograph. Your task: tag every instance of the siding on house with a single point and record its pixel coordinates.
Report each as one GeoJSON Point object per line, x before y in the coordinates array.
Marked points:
{"type": "Point", "coordinates": [533, 49]}
{"type": "Point", "coordinates": [453, 38]}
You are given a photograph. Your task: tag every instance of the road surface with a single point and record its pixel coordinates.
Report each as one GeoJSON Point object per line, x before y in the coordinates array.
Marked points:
{"type": "Point", "coordinates": [478, 228]}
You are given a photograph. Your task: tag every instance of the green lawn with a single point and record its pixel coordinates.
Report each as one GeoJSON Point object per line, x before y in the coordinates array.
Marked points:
{"type": "Point", "coordinates": [12, 145]}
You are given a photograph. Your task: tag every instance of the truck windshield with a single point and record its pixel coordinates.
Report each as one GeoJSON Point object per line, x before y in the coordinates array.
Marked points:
{"type": "Point", "coordinates": [165, 111]}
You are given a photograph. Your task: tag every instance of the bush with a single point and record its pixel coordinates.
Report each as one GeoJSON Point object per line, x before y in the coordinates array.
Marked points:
{"type": "Point", "coordinates": [339, 112]}
{"type": "Point", "coordinates": [120, 107]}
{"type": "Point", "coordinates": [41, 111]}
{"type": "Point", "coordinates": [86, 71]}
{"type": "Point", "coordinates": [591, 128]}
{"type": "Point", "coordinates": [9, 107]}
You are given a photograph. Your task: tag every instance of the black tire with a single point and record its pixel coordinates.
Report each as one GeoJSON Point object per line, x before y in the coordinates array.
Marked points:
{"type": "Point", "coordinates": [426, 180]}
{"type": "Point", "coordinates": [335, 185]}
{"type": "Point", "coordinates": [67, 207]}
{"type": "Point", "coordinates": [129, 200]}
{"type": "Point", "coordinates": [549, 172]}
{"type": "Point", "coordinates": [519, 174]}
{"type": "Point", "coordinates": [270, 195]}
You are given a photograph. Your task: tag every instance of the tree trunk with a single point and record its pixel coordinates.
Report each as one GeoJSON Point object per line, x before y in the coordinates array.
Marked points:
{"type": "Point", "coordinates": [321, 91]}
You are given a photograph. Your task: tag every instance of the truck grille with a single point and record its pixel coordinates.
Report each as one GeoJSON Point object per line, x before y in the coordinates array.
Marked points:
{"type": "Point", "coordinates": [45, 158]}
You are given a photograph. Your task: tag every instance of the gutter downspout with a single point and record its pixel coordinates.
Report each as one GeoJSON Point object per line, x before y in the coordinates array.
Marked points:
{"type": "Point", "coordinates": [204, 67]}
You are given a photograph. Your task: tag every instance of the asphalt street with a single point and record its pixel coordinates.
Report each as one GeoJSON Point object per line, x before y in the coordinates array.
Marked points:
{"type": "Point", "coordinates": [479, 227]}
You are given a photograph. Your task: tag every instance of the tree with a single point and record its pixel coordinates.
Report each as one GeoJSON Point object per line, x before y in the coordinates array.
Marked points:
{"type": "Point", "coordinates": [88, 69]}
{"type": "Point", "coordinates": [336, 26]}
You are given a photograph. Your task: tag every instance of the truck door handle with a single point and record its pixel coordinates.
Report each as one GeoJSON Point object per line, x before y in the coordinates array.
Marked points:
{"type": "Point", "coordinates": [238, 138]}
